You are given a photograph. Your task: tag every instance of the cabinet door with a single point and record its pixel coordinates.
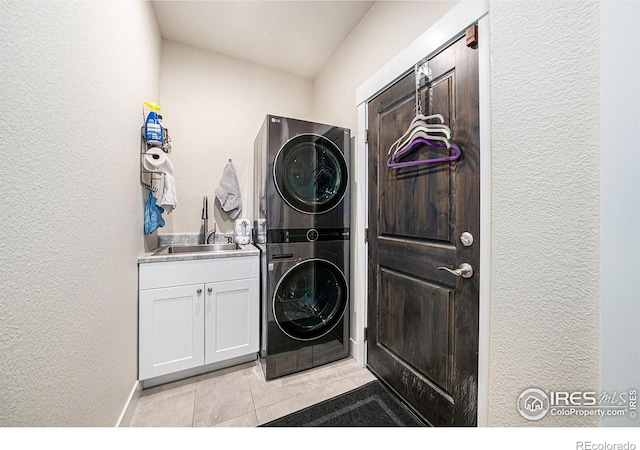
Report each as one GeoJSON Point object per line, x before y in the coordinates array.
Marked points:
{"type": "Point", "coordinates": [232, 324]}
{"type": "Point", "coordinates": [171, 330]}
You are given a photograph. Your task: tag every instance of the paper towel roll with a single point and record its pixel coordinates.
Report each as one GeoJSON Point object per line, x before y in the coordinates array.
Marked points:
{"type": "Point", "coordinates": [155, 160]}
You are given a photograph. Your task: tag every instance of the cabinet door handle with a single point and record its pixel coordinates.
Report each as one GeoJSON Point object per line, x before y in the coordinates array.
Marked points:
{"type": "Point", "coordinates": [210, 290]}
{"type": "Point", "coordinates": [199, 291]}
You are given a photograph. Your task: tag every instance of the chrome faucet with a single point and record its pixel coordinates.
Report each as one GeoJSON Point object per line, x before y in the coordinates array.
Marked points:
{"type": "Point", "coordinates": [205, 219]}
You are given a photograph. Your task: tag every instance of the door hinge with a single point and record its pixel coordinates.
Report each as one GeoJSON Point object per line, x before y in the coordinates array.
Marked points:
{"type": "Point", "coordinates": [366, 135]}
{"type": "Point", "coordinates": [471, 36]}
{"type": "Point", "coordinates": [366, 333]}
{"type": "Point", "coordinates": [366, 235]}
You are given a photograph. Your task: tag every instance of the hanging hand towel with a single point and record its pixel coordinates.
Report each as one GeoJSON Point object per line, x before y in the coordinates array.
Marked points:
{"type": "Point", "coordinates": [228, 192]}
{"type": "Point", "coordinates": [168, 198]}
{"type": "Point", "coordinates": [152, 215]}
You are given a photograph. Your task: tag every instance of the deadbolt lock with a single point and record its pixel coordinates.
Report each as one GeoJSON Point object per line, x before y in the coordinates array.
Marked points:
{"type": "Point", "coordinates": [467, 239]}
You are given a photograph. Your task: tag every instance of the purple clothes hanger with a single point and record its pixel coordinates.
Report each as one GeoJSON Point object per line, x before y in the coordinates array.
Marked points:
{"type": "Point", "coordinates": [415, 142]}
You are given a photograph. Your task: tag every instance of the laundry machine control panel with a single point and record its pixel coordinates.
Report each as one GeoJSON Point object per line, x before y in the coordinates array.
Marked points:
{"type": "Point", "coordinates": [284, 236]}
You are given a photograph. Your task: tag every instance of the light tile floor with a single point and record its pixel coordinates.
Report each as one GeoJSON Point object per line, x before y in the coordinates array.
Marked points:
{"type": "Point", "coordinates": [241, 397]}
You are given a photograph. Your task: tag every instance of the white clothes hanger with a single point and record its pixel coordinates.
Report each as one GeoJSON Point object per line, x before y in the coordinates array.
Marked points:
{"type": "Point", "coordinates": [421, 134]}
{"type": "Point", "coordinates": [428, 132]}
{"type": "Point", "coordinates": [425, 118]}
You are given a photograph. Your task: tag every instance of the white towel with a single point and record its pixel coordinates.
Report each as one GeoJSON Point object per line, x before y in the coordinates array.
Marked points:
{"type": "Point", "coordinates": [168, 198]}
{"type": "Point", "coordinates": [228, 192]}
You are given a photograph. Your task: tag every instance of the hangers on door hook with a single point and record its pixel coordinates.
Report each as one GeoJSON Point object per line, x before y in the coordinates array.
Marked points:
{"type": "Point", "coordinates": [422, 132]}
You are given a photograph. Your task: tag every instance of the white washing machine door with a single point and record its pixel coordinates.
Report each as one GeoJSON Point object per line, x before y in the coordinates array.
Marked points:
{"type": "Point", "coordinates": [310, 299]}
{"type": "Point", "coordinates": [310, 174]}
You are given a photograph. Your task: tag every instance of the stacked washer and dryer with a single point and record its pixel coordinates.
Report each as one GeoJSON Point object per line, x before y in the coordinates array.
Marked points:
{"type": "Point", "coordinates": [302, 209]}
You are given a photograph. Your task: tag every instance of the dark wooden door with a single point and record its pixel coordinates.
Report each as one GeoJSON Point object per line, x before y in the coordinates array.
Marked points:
{"type": "Point", "coordinates": [423, 322]}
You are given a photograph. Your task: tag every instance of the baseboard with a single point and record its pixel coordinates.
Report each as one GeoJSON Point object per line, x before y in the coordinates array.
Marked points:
{"type": "Point", "coordinates": [357, 351]}
{"type": "Point", "coordinates": [130, 407]}
{"type": "Point", "coordinates": [163, 379]}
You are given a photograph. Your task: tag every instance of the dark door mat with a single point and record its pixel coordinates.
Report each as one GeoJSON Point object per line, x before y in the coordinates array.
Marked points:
{"type": "Point", "coordinates": [371, 405]}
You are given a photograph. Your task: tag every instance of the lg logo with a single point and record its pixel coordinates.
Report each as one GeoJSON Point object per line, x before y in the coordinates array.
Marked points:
{"type": "Point", "coordinates": [275, 120]}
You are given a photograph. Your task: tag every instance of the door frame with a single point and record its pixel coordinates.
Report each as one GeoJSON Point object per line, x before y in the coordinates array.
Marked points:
{"type": "Point", "coordinates": [446, 30]}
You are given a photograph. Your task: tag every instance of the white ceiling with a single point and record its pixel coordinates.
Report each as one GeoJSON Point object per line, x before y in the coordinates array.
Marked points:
{"type": "Point", "coordinates": [297, 37]}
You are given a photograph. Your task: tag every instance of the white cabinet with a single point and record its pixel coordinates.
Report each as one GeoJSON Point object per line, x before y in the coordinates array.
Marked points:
{"type": "Point", "coordinates": [231, 320]}
{"type": "Point", "coordinates": [171, 330]}
{"type": "Point", "coordinates": [197, 312]}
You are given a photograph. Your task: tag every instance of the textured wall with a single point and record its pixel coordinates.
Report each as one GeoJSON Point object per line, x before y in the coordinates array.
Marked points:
{"type": "Point", "coordinates": [545, 204]}
{"type": "Point", "coordinates": [73, 79]}
{"type": "Point", "coordinates": [385, 31]}
{"type": "Point", "coordinates": [213, 107]}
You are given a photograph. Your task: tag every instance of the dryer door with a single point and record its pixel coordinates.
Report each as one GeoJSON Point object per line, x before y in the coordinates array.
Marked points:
{"type": "Point", "coordinates": [310, 299]}
{"type": "Point", "coordinates": [310, 173]}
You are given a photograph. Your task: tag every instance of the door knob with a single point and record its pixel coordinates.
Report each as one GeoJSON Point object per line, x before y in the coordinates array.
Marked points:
{"type": "Point", "coordinates": [465, 270]}
{"type": "Point", "coordinates": [199, 291]}
{"type": "Point", "coordinates": [210, 290]}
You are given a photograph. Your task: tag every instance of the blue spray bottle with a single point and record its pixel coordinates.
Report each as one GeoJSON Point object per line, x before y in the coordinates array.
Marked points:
{"type": "Point", "coordinates": [153, 131]}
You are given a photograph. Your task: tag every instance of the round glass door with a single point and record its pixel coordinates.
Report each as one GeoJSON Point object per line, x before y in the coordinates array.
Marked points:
{"type": "Point", "coordinates": [310, 173]}
{"type": "Point", "coordinates": [310, 299]}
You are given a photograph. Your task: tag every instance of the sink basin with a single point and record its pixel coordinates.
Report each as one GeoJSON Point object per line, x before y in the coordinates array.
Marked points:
{"type": "Point", "coordinates": [176, 249]}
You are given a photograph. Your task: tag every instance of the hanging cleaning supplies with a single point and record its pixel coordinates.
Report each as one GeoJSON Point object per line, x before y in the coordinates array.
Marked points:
{"type": "Point", "coordinates": [153, 131]}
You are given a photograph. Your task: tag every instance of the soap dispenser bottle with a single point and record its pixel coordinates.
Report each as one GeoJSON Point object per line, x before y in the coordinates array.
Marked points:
{"type": "Point", "coordinates": [242, 232]}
